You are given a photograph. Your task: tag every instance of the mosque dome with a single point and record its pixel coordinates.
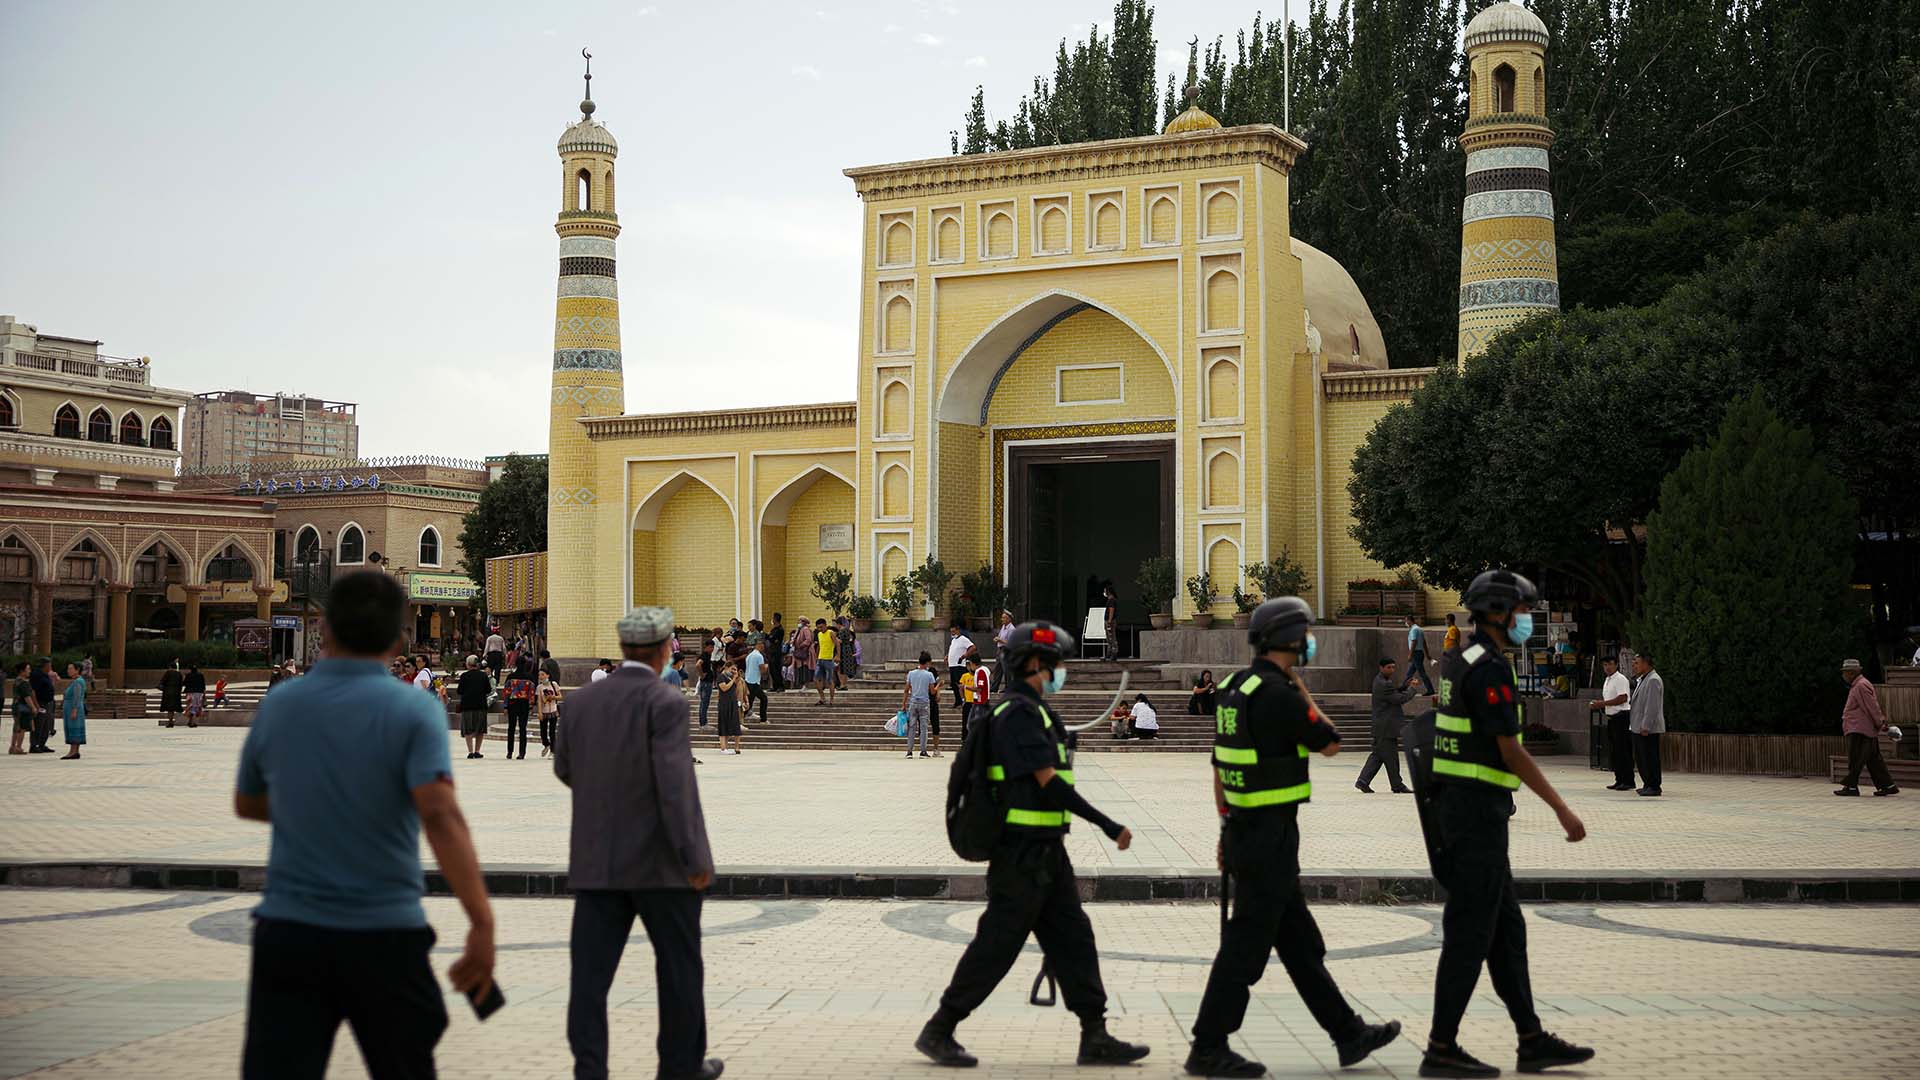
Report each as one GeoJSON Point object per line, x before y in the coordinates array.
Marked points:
{"type": "Point", "coordinates": [1194, 119]}
{"type": "Point", "coordinates": [1350, 338]}
{"type": "Point", "coordinates": [1505, 22]}
{"type": "Point", "coordinates": [587, 134]}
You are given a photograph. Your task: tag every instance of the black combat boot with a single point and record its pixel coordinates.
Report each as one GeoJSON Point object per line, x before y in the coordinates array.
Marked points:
{"type": "Point", "coordinates": [936, 1041]}
{"type": "Point", "coordinates": [1369, 1038]}
{"type": "Point", "coordinates": [1221, 1061]}
{"type": "Point", "coordinates": [1099, 1048]}
{"type": "Point", "coordinates": [1544, 1050]}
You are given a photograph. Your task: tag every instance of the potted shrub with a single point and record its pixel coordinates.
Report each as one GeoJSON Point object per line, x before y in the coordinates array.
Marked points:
{"type": "Point", "coordinates": [861, 609]}
{"type": "Point", "coordinates": [1278, 576]}
{"type": "Point", "coordinates": [899, 602]}
{"type": "Point", "coordinates": [1157, 581]}
{"type": "Point", "coordinates": [960, 607]}
{"type": "Point", "coordinates": [1200, 591]}
{"type": "Point", "coordinates": [931, 578]}
{"type": "Point", "coordinates": [990, 596]}
{"type": "Point", "coordinates": [832, 586]}
{"type": "Point", "coordinates": [1243, 605]}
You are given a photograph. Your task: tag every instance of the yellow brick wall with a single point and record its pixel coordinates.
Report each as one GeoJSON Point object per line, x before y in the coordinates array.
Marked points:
{"type": "Point", "coordinates": [827, 502]}
{"type": "Point", "coordinates": [965, 463]}
{"type": "Point", "coordinates": [774, 552]}
{"type": "Point", "coordinates": [694, 558]}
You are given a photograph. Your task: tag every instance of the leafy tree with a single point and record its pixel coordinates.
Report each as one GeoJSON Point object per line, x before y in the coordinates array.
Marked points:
{"type": "Point", "coordinates": [1749, 555]}
{"type": "Point", "coordinates": [509, 519]}
{"type": "Point", "coordinates": [1463, 477]}
{"type": "Point", "coordinates": [832, 587]}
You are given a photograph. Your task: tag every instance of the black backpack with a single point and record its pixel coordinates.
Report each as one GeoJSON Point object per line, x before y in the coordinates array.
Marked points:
{"type": "Point", "coordinates": [974, 815]}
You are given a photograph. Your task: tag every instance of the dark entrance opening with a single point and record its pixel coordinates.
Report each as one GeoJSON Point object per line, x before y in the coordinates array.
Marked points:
{"type": "Point", "coordinates": [1086, 511]}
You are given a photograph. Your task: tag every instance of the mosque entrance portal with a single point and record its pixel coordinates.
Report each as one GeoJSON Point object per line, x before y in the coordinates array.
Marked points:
{"type": "Point", "coordinates": [1084, 513]}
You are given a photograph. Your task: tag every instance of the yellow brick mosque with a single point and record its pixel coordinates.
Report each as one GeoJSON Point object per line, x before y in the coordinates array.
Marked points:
{"type": "Point", "coordinates": [1071, 358]}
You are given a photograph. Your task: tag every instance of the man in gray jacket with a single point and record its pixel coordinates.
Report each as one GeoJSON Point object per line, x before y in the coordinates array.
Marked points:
{"type": "Point", "coordinates": [1388, 719]}
{"type": "Point", "coordinates": [639, 848]}
{"type": "Point", "coordinates": [1649, 711]}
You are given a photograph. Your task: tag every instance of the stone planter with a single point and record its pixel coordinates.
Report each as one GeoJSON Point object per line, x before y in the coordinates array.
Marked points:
{"type": "Point", "coordinates": [905, 623]}
{"type": "Point", "coordinates": [1203, 619]}
{"type": "Point", "coordinates": [1160, 622]}
{"type": "Point", "coordinates": [861, 626]}
{"type": "Point", "coordinates": [1242, 620]}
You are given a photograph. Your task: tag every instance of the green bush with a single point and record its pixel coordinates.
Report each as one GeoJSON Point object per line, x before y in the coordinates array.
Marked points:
{"type": "Point", "coordinates": [141, 653]}
{"type": "Point", "coordinates": [1157, 581]}
{"type": "Point", "coordinates": [862, 607]}
{"type": "Point", "coordinates": [1748, 558]}
{"type": "Point", "coordinates": [1278, 576]}
{"type": "Point", "coordinates": [1200, 589]}
{"type": "Point", "coordinates": [900, 596]}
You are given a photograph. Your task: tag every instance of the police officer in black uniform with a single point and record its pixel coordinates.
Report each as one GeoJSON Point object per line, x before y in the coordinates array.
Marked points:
{"type": "Point", "coordinates": [1477, 764]}
{"type": "Point", "coordinates": [1265, 725]}
{"type": "Point", "coordinates": [1030, 883]}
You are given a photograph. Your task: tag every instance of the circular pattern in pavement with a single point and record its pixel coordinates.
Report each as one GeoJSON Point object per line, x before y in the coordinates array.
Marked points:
{"type": "Point", "coordinates": [1589, 919]}
{"type": "Point", "coordinates": [234, 926]}
{"type": "Point", "coordinates": [932, 921]}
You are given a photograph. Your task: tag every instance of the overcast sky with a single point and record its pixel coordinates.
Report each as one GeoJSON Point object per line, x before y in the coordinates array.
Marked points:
{"type": "Point", "coordinates": [355, 200]}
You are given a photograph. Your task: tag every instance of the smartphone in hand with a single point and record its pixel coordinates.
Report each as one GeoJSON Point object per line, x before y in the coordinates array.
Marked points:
{"type": "Point", "coordinates": [485, 1005]}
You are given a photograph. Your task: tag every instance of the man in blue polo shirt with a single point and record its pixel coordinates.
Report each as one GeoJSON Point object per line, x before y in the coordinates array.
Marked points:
{"type": "Point", "coordinates": [348, 764]}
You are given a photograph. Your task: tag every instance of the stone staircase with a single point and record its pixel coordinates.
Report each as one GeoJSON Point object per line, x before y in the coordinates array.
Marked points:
{"type": "Point", "coordinates": [855, 719]}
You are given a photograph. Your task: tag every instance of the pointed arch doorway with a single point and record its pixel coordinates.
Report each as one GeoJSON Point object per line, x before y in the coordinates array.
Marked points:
{"type": "Point", "coordinates": [1083, 509]}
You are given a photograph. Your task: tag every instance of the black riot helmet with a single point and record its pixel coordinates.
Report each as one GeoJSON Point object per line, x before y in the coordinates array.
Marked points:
{"type": "Point", "coordinates": [1497, 592]}
{"type": "Point", "coordinates": [1278, 623]}
{"type": "Point", "coordinates": [1039, 638]}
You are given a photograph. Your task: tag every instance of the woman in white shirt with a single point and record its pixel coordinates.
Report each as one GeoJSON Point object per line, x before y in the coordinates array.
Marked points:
{"type": "Point", "coordinates": [1146, 724]}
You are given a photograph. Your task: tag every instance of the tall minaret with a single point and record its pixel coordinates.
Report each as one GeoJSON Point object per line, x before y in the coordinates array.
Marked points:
{"type": "Point", "coordinates": [1507, 264]}
{"type": "Point", "coordinates": [586, 380]}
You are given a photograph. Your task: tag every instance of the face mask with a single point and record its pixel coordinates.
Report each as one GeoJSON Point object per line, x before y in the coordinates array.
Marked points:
{"type": "Point", "coordinates": [1056, 680]}
{"type": "Point", "coordinates": [1521, 630]}
{"type": "Point", "coordinates": [1313, 646]}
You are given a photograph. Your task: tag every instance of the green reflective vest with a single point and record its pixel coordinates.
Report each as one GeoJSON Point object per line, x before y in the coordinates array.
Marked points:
{"type": "Point", "coordinates": [1462, 754]}
{"type": "Point", "coordinates": [1027, 813]}
{"type": "Point", "coordinates": [1248, 780]}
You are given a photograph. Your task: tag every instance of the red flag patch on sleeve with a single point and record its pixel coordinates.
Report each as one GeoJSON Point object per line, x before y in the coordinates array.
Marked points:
{"type": "Point", "coordinates": [1493, 696]}
{"type": "Point", "coordinates": [1506, 694]}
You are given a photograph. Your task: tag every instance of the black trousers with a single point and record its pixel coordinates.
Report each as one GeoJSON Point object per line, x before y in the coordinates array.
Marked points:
{"type": "Point", "coordinates": [1646, 752]}
{"type": "Point", "coordinates": [42, 729]}
{"type": "Point", "coordinates": [1386, 751]}
{"type": "Point", "coordinates": [1269, 915]}
{"type": "Point", "coordinates": [307, 979]}
{"type": "Point", "coordinates": [1864, 751]}
{"type": "Point", "coordinates": [602, 922]}
{"type": "Point", "coordinates": [953, 680]}
{"type": "Point", "coordinates": [1482, 923]}
{"type": "Point", "coordinates": [756, 692]}
{"type": "Point", "coordinates": [549, 725]}
{"type": "Point", "coordinates": [1620, 747]}
{"type": "Point", "coordinates": [517, 713]}
{"type": "Point", "coordinates": [1030, 890]}
{"type": "Point", "coordinates": [1418, 663]}
{"type": "Point", "coordinates": [777, 663]}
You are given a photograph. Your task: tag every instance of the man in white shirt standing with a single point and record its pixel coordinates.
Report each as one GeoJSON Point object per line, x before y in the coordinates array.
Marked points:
{"type": "Point", "coordinates": [602, 671]}
{"type": "Point", "coordinates": [958, 645]}
{"type": "Point", "coordinates": [1614, 692]}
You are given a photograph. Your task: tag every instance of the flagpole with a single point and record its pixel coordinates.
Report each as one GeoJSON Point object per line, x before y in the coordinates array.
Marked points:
{"type": "Point", "coordinates": [1286, 65]}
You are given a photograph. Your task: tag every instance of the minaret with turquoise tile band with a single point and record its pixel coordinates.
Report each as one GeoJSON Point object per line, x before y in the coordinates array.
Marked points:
{"type": "Point", "coordinates": [1508, 265]}
{"type": "Point", "coordinates": [586, 382]}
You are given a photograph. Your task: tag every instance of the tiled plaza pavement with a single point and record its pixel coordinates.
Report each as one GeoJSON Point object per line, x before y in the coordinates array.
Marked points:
{"type": "Point", "coordinates": [152, 985]}
{"type": "Point", "coordinates": [145, 793]}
